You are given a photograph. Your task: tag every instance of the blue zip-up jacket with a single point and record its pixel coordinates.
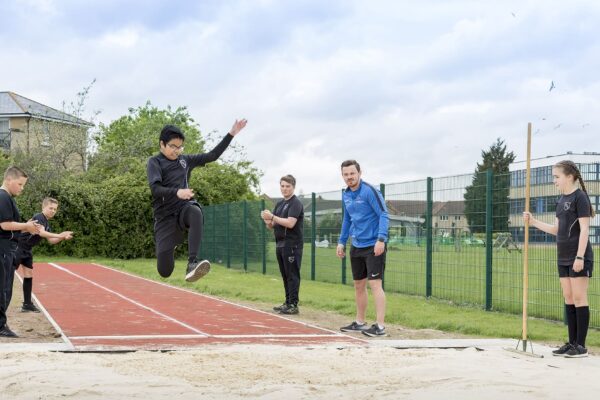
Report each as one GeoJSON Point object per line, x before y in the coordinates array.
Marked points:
{"type": "Point", "coordinates": [365, 216]}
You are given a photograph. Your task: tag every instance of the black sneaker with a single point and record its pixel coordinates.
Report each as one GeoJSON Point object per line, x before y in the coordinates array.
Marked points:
{"type": "Point", "coordinates": [576, 351]}
{"type": "Point", "coordinates": [354, 327]}
{"type": "Point", "coordinates": [6, 332]}
{"type": "Point", "coordinates": [29, 307]}
{"type": "Point", "coordinates": [196, 270]}
{"type": "Point", "coordinates": [374, 330]}
{"type": "Point", "coordinates": [281, 307]}
{"type": "Point", "coordinates": [560, 352]}
{"type": "Point", "coordinates": [290, 309]}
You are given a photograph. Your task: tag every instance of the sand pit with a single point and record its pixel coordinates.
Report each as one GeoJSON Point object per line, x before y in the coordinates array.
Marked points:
{"type": "Point", "coordinates": [405, 365]}
{"type": "Point", "coordinates": [276, 372]}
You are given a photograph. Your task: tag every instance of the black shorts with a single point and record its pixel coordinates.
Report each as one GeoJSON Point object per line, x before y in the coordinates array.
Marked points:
{"type": "Point", "coordinates": [566, 270]}
{"type": "Point", "coordinates": [169, 231]}
{"type": "Point", "coordinates": [365, 264]}
{"type": "Point", "coordinates": [23, 257]}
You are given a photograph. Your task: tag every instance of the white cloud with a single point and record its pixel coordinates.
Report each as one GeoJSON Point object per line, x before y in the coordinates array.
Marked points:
{"type": "Point", "coordinates": [408, 89]}
{"type": "Point", "coordinates": [126, 38]}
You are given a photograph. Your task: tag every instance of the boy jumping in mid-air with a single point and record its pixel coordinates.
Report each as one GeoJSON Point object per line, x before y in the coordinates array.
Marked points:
{"type": "Point", "coordinates": [24, 255]}
{"type": "Point", "coordinates": [172, 199]}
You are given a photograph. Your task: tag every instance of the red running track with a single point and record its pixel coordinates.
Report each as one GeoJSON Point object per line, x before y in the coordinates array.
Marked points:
{"type": "Point", "coordinates": [98, 308]}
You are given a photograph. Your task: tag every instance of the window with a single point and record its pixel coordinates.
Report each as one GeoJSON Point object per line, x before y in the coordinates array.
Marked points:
{"type": "Point", "coordinates": [545, 204]}
{"type": "Point", "coordinates": [443, 218]}
{"type": "Point", "coordinates": [4, 134]}
{"type": "Point", "coordinates": [517, 206]}
{"type": "Point", "coordinates": [46, 134]}
{"type": "Point", "coordinates": [590, 172]}
{"type": "Point", "coordinates": [457, 217]}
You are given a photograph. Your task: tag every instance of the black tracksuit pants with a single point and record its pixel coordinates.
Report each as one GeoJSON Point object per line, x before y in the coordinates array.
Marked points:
{"type": "Point", "coordinates": [290, 259]}
{"type": "Point", "coordinates": [7, 274]}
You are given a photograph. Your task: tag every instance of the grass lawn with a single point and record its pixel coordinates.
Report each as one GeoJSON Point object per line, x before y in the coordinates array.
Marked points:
{"type": "Point", "coordinates": [457, 276]}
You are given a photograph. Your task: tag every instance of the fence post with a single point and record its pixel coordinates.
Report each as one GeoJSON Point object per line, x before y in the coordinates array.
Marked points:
{"type": "Point", "coordinates": [263, 231]}
{"type": "Point", "coordinates": [429, 239]}
{"type": "Point", "coordinates": [228, 235]}
{"type": "Point", "coordinates": [214, 230]}
{"type": "Point", "coordinates": [382, 190]}
{"type": "Point", "coordinates": [313, 234]}
{"type": "Point", "coordinates": [245, 235]}
{"type": "Point", "coordinates": [489, 226]}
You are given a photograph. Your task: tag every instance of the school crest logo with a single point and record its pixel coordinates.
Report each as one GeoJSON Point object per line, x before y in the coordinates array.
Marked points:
{"type": "Point", "coordinates": [291, 259]}
{"type": "Point", "coordinates": [567, 205]}
{"type": "Point", "coordinates": [183, 163]}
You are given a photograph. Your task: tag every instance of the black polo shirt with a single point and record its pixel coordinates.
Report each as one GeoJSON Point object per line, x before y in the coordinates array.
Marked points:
{"type": "Point", "coordinates": [8, 213]}
{"type": "Point", "coordinates": [569, 209]}
{"type": "Point", "coordinates": [166, 177]}
{"type": "Point", "coordinates": [286, 237]}
{"type": "Point", "coordinates": [27, 240]}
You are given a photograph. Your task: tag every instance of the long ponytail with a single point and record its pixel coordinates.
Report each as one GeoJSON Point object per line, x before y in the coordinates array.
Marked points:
{"type": "Point", "coordinates": [569, 168]}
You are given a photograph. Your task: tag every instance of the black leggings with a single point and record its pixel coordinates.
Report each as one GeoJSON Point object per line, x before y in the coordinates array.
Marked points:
{"type": "Point", "coordinates": [192, 219]}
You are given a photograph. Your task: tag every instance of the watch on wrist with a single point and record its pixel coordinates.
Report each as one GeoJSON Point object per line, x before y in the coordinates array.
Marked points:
{"type": "Point", "coordinates": [382, 240]}
{"type": "Point", "coordinates": [578, 258]}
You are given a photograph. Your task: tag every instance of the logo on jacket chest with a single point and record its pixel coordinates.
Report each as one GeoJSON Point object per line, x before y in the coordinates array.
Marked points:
{"type": "Point", "coordinates": [183, 163]}
{"type": "Point", "coordinates": [567, 206]}
{"type": "Point", "coordinates": [356, 200]}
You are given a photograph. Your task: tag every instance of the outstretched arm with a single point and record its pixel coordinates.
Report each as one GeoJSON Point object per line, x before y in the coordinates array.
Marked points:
{"type": "Point", "coordinates": [30, 226]}
{"type": "Point", "coordinates": [55, 238]}
{"type": "Point", "coordinates": [213, 155]}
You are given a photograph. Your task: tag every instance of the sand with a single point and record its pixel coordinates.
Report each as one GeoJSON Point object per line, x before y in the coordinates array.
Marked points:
{"type": "Point", "coordinates": [275, 372]}
{"type": "Point", "coordinates": [33, 367]}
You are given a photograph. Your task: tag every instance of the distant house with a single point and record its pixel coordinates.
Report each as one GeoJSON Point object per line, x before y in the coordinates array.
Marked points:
{"type": "Point", "coordinates": [28, 126]}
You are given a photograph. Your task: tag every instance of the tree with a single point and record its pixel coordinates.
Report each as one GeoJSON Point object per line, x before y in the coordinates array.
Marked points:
{"type": "Point", "coordinates": [498, 160]}
{"type": "Point", "coordinates": [61, 148]}
{"type": "Point", "coordinates": [125, 145]}
{"type": "Point", "coordinates": [111, 200]}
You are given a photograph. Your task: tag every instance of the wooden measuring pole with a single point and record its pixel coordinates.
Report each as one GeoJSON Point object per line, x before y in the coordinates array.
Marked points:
{"type": "Point", "coordinates": [526, 242]}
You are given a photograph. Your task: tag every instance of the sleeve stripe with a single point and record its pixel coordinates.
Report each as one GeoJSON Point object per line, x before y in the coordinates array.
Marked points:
{"type": "Point", "coordinates": [376, 195]}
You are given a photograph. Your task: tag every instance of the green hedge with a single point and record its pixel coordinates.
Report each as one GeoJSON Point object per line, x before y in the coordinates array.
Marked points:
{"type": "Point", "coordinates": [112, 218]}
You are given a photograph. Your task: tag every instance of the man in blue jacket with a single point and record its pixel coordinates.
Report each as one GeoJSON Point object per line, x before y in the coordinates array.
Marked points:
{"type": "Point", "coordinates": [366, 221]}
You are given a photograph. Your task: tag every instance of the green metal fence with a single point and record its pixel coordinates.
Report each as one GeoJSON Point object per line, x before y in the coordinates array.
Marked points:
{"type": "Point", "coordinates": [457, 238]}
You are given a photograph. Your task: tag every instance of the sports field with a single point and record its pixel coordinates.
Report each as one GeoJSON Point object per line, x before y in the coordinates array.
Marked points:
{"type": "Point", "coordinates": [459, 276]}
{"type": "Point", "coordinates": [410, 363]}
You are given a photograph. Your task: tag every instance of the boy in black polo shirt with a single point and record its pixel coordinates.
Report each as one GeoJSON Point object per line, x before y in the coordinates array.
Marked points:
{"type": "Point", "coordinates": [172, 199]}
{"type": "Point", "coordinates": [24, 254]}
{"type": "Point", "coordinates": [287, 221]}
{"type": "Point", "coordinates": [13, 184]}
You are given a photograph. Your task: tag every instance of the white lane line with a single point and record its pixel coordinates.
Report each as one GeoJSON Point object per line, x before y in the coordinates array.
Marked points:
{"type": "Point", "coordinates": [49, 317]}
{"type": "Point", "coordinates": [136, 337]}
{"type": "Point", "coordinates": [130, 300]}
{"type": "Point", "coordinates": [234, 304]}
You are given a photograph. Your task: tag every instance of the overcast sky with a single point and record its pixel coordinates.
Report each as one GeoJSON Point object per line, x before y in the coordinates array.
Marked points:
{"type": "Point", "coordinates": [408, 88]}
